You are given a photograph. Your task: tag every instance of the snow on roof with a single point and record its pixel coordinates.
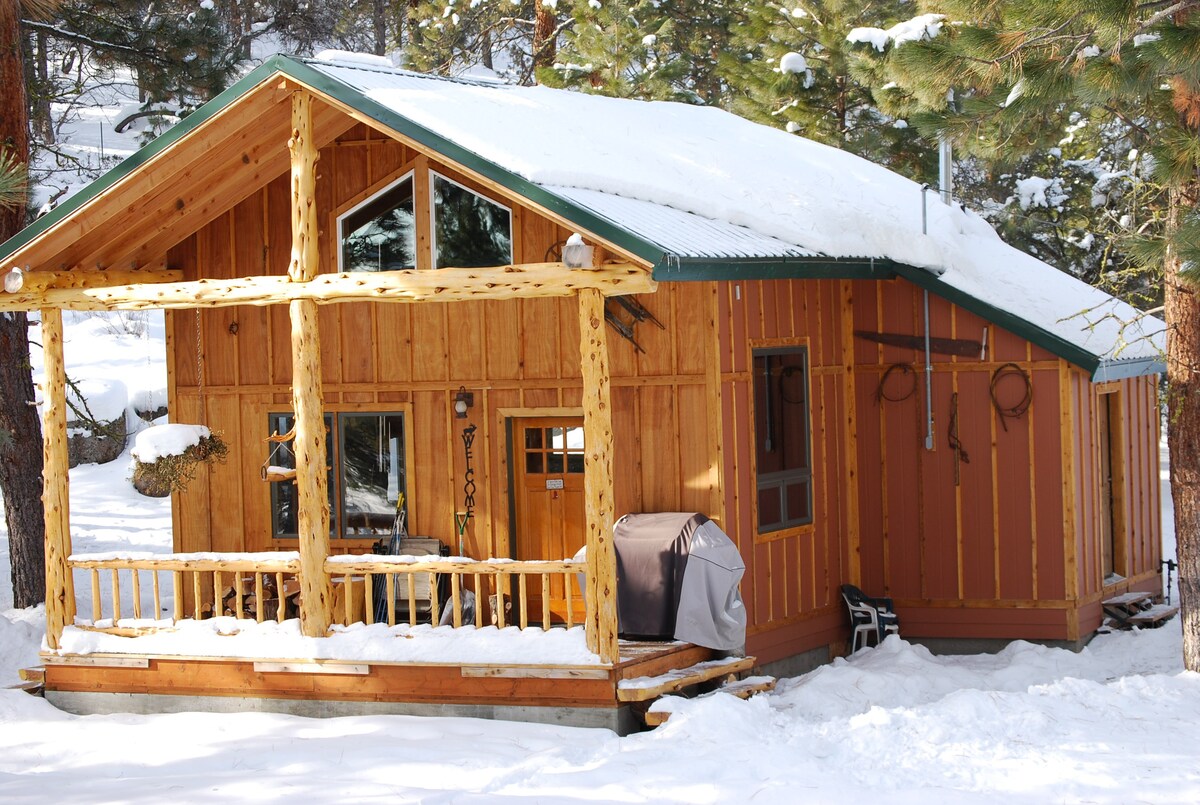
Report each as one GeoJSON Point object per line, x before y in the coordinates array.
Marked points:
{"type": "Point", "coordinates": [698, 181]}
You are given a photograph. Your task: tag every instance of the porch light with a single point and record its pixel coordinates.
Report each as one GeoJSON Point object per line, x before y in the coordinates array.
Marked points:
{"type": "Point", "coordinates": [575, 253]}
{"type": "Point", "coordinates": [463, 400]}
{"type": "Point", "coordinates": [14, 280]}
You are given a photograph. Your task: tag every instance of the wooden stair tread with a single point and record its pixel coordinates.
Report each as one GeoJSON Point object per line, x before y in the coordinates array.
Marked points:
{"type": "Point", "coordinates": [644, 688]}
{"type": "Point", "coordinates": [1125, 599]}
{"type": "Point", "coordinates": [1155, 615]}
{"type": "Point", "coordinates": [32, 687]}
{"type": "Point", "coordinates": [35, 674]}
{"type": "Point", "coordinates": [661, 710]}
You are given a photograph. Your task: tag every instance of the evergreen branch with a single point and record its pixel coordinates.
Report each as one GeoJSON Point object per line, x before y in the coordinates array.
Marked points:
{"type": "Point", "coordinates": [1048, 36]}
{"type": "Point", "coordinates": [1127, 121]}
{"type": "Point", "coordinates": [81, 39]}
{"type": "Point", "coordinates": [1154, 19]}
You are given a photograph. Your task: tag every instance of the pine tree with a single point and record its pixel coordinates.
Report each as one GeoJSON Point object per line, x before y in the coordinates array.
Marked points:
{"type": "Point", "coordinates": [791, 67]}
{"type": "Point", "coordinates": [20, 430]}
{"type": "Point", "coordinates": [651, 50]}
{"type": "Point", "coordinates": [510, 38]}
{"type": "Point", "coordinates": [1014, 70]}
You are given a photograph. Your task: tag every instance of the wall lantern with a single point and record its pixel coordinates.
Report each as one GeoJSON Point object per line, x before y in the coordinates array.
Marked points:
{"type": "Point", "coordinates": [575, 253]}
{"type": "Point", "coordinates": [463, 400]}
{"type": "Point", "coordinates": [14, 280]}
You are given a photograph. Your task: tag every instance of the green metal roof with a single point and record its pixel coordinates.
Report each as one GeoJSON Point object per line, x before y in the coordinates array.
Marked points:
{"type": "Point", "coordinates": [667, 267]}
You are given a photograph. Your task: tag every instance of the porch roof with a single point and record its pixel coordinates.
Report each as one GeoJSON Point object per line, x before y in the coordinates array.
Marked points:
{"type": "Point", "coordinates": [696, 193]}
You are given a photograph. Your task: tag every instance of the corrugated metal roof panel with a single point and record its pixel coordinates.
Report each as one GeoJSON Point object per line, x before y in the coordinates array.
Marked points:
{"type": "Point", "coordinates": [679, 233]}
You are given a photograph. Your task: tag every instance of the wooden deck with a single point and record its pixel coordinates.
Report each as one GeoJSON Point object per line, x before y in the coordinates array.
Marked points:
{"type": "Point", "coordinates": [583, 695]}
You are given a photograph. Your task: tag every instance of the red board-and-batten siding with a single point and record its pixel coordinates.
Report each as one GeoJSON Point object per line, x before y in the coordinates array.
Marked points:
{"type": "Point", "coordinates": [1011, 551]}
{"type": "Point", "coordinates": [1014, 549]}
{"type": "Point", "coordinates": [792, 576]}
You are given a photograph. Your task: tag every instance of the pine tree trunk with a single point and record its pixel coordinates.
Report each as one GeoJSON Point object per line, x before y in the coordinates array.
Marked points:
{"type": "Point", "coordinates": [1183, 428]}
{"type": "Point", "coordinates": [20, 431]}
{"type": "Point", "coordinates": [545, 48]}
{"type": "Point", "coordinates": [379, 26]}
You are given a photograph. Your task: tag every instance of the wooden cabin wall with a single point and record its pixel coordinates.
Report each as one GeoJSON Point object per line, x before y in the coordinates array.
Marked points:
{"type": "Point", "coordinates": [985, 557]}
{"type": "Point", "coordinates": [519, 354]}
{"type": "Point", "coordinates": [1136, 518]}
{"type": "Point", "coordinates": [791, 584]}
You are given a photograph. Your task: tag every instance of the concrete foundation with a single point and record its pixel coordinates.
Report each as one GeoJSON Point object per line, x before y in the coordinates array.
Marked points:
{"type": "Point", "coordinates": [797, 664]}
{"type": "Point", "coordinates": [620, 720]}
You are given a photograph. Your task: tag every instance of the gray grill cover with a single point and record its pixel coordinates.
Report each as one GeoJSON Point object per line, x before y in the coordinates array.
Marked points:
{"type": "Point", "coordinates": [677, 576]}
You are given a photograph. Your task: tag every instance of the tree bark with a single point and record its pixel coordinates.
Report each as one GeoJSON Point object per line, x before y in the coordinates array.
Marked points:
{"type": "Point", "coordinates": [1182, 312]}
{"type": "Point", "coordinates": [545, 48]}
{"type": "Point", "coordinates": [20, 431]}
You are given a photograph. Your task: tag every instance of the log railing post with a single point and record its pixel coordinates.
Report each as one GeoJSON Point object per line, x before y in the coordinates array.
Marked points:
{"type": "Point", "coordinates": [601, 618]}
{"type": "Point", "coordinates": [60, 587]}
{"type": "Point", "coordinates": [316, 592]}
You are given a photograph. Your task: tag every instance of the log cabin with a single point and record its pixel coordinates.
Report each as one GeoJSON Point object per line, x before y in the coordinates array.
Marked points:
{"type": "Point", "coordinates": [526, 312]}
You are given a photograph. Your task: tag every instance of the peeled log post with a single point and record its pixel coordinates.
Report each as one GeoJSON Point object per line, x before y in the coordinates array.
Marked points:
{"type": "Point", "coordinates": [316, 592]}
{"type": "Point", "coordinates": [601, 622]}
{"type": "Point", "coordinates": [304, 262]}
{"type": "Point", "coordinates": [60, 588]}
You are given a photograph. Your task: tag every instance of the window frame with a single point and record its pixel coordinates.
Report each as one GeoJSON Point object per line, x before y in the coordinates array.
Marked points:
{"type": "Point", "coordinates": [409, 174]}
{"type": "Point", "coordinates": [795, 525]}
{"type": "Point", "coordinates": [434, 174]}
{"type": "Point", "coordinates": [337, 531]}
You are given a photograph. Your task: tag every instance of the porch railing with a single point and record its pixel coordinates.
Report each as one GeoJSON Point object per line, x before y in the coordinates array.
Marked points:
{"type": "Point", "coordinates": [133, 594]}
{"type": "Point", "coordinates": [409, 586]}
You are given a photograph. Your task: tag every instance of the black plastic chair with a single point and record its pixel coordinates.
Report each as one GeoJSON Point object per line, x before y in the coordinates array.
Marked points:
{"type": "Point", "coordinates": [868, 616]}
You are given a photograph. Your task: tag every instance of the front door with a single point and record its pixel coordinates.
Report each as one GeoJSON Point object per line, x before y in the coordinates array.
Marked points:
{"type": "Point", "coordinates": [548, 492]}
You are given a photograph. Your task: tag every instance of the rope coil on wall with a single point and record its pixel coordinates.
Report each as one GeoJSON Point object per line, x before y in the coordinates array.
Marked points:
{"type": "Point", "coordinates": [1012, 411]}
{"type": "Point", "coordinates": [881, 393]}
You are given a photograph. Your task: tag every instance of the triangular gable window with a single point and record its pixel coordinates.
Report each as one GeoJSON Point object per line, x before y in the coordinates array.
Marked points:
{"type": "Point", "coordinates": [469, 231]}
{"type": "Point", "coordinates": [380, 234]}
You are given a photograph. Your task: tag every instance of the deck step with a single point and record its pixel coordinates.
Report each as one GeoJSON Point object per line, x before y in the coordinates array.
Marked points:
{"type": "Point", "coordinates": [1127, 599]}
{"type": "Point", "coordinates": [1155, 616]}
{"type": "Point", "coordinates": [33, 687]}
{"type": "Point", "coordinates": [645, 688]}
{"type": "Point", "coordinates": [35, 674]}
{"type": "Point", "coordinates": [661, 710]}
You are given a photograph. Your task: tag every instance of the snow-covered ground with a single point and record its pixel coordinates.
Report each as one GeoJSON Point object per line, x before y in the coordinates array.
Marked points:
{"type": "Point", "coordinates": [1117, 722]}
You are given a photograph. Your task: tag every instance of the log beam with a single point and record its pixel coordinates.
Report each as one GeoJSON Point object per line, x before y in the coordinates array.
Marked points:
{"type": "Point", "coordinates": [36, 282]}
{"type": "Point", "coordinates": [312, 486]}
{"type": "Point", "coordinates": [601, 618]}
{"type": "Point", "coordinates": [60, 589]}
{"type": "Point", "coordinates": [411, 285]}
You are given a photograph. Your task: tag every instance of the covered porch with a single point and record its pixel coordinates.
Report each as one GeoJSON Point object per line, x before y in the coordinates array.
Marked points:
{"type": "Point", "coordinates": [107, 651]}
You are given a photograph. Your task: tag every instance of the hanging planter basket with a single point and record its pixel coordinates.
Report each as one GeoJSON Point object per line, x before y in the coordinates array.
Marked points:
{"type": "Point", "coordinates": [165, 457]}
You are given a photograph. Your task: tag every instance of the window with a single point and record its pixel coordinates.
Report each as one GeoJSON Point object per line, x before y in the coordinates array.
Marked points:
{"type": "Point", "coordinates": [554, 451]}
{"type": "Point", "coordinates": [469, 231]}
{"type": "Point", "coordinates": [367, 473]}
{"type": "Point", "coordinates": [781, 431]}
{"type": "Point", "coordinates": [380, 234]}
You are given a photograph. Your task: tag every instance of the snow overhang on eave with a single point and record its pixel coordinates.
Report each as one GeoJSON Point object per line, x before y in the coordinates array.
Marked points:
{"type": "Point", "coordinates": [1098, 368]}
